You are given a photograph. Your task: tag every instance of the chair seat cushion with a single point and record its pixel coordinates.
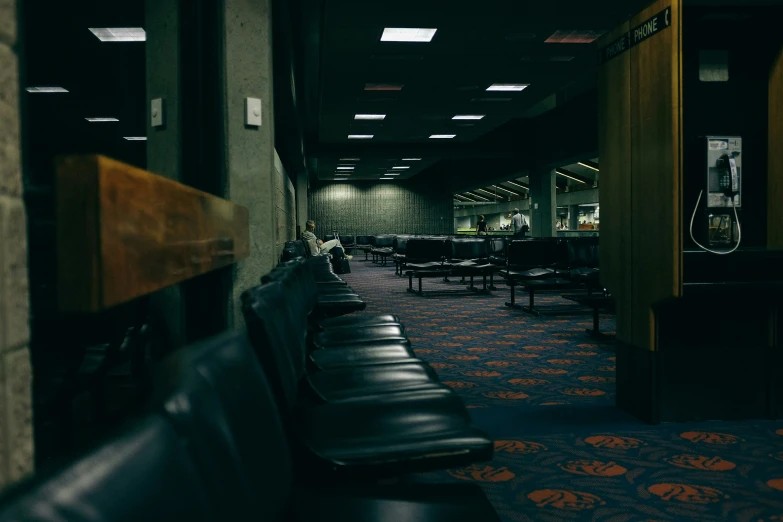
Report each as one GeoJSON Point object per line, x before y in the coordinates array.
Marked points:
{"type": "Point", "coordinates": [533, 273]}
{"type": "Point", "coordinates": [553, 283]}
{"type": "Point", "coordinates": [347, 336]}
{"type": "Point", "coordinates": [415, 502]}
{"type": "Point", "coordinates": [360, 355]}
{"type": "Point", "coordinates": [359, 383]}
{"type": "Point", "coordinates": [427, 429]}
{"type": "Point", "coordinates": [358, 321]}
{"type": "Point", "coordinates": [428, 264]}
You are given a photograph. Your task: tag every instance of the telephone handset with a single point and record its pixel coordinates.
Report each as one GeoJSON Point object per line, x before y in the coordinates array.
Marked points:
{"type": "Point", "coordinates": [729, 177]}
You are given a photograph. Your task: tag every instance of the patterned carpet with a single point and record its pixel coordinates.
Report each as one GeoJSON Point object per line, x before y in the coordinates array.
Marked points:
{"type": "Point", "coordinates": [545, 392]}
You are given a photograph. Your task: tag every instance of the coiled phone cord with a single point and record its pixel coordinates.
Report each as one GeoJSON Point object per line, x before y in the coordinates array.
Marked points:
{"type": "Point", "coordinates": [739, 229]}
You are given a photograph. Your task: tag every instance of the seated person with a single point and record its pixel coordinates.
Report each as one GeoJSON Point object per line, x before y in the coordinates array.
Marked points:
{"type": "Point", "coordinates": [318, 247]}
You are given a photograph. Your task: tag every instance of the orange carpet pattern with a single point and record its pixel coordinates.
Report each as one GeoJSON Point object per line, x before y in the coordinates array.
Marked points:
{"type": "Point", "coordinates": [544, 390]}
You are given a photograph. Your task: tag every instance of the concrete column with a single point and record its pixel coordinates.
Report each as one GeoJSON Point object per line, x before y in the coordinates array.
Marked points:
{"type": "Point", "coordinates": [543, 193]}
{"type": "Point", "coordinates": [16, 426]}
{"type": "Point", "coordinates": [573, 217]}
{"type": "Point", "coordinates": [302, 186]}
{"type": "Point", "coordinates": [164, 144]}
{"type": "Point", "coordinates": [250, 158]}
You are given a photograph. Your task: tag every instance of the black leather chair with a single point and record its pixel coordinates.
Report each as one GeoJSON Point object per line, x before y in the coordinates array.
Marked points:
{"type": "Point", "coordinates": [389, 434]}
{"type": "Point", "coordinates": [222, 405]}
{"type": "Point", "coordinates": [143, 474]}
{"type": "Point", "coordinates": [470, 258]}
{"type": "Point", "coordinates": [364, 244]}
{"type": "Point", "coordinates": [497, 250]}
{"type": "Point", "coordinates": [383, 248]}
{"type": "Point", "coordinates": [400, 248]}
{"type": "Point", "coordinates": [271, 331]}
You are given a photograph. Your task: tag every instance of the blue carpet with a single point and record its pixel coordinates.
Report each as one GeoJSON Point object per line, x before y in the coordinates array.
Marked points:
{"type": "Point", "coordinates": [545, 392]}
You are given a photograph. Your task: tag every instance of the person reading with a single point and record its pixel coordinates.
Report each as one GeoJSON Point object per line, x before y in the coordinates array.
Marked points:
{"type": "Point", "coordinates": [318, 247]}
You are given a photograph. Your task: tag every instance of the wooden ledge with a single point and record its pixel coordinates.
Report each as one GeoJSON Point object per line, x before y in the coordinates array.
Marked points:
{"type": "Point", "coordinates": [123, 232]}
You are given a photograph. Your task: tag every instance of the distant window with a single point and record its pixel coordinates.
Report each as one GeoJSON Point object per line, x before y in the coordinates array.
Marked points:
{"type": "Point", "coordinates": [714, 66]}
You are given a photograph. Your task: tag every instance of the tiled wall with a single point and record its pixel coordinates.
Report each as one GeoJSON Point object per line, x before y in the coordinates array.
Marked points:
{"type": "Point", "coordinates": [381, 208]}
{"type": "Point", "coordinates": [285, 206]}
{"type": "Point", "coordinates": [16, 428]}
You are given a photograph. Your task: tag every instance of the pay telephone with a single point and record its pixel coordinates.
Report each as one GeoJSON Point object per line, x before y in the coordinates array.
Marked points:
{"type": "Point", "coordinates": [723, 161]}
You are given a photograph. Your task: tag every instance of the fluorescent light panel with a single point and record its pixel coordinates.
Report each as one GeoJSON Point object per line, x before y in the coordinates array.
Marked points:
{"type": "Point", "coordinates": [119, 34]}
{"type": "Point", "coordinates": [349, 159]}
{"type": "Point", "coordinates": [517, 185]}
{"type": "Point", "coordinates": [345, 168]}
{"type": "Point", "coordinates": [392, 174]}
{"type": "Point", "coordinates": [588, 166]}
{"type": "Point", "coordinates": [46, 89]}
{"type": "Point", "coordinates": [501, 188]}
{"type": "Point", "coordinates": [468, 117]}
{"type": "Point", "coordinates": [97, 120]}
{"type": "Point", "coordinates": [136, 138]}
{"type": "Point", "coordinates": [508, 87]}
{"type": "Point", "coordinates": [411, 159]}
{"type": "Point", "coordinates": [442, 136]}
{"type": "Point", "coordinates": [570, 177]}
{"type": "Point", "coordinates": [400, 168]}
{"type": "Point", "coordinates": [369, 117]}
{"type": "Point", "coordinates": [404, 34]}
{"type": "Point", "coordinates": [388, 179]}
{"type": "Point", "coordinates": [360, 136]}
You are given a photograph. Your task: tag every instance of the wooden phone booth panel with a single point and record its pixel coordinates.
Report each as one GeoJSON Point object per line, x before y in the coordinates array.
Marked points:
{"type": "Point", "coordinates": [123, 232]}
{"type": "Point", "coordinates": [775, 158]}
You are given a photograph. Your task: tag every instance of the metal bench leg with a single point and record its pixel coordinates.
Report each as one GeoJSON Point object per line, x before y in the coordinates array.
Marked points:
{"type": "Point", "coordinates": [471, 287]}
{"type": "Point", "coordinates": [513, 303]}
{"type": "Point", "coordinates": [492, 282]}
{"type": "Point", "coordinates": [531, 308]}
{"type": "Point", "coordinates": [410, 282]}
{"type": "Point", "coordinates": [419, 285]}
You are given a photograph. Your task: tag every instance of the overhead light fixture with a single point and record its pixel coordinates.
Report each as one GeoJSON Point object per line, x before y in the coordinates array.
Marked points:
{"type": "Point", "coordinates": [468, 117]}
{"type": "Point", "coordinates": [574, 37]}
{"type": "Point", "coordinates": [403, 34]}
{"type": "Point", "coordinates": [349, 159]}
{"type": "Point", "coordinates": [488, 192]}
{"type": "Point", "coordinates": [383, 86]}
{"type": "Point", "coordinates": [45, 89]}
{"type": "Point", "coordinates": [387, 179]}
{"type": "Point", "coordinates": [136, 138]}
{"type": "Point", "coordinates": [411, 159]}
{"type": "Point", "coordinates": [477, 196]}
{"type": "Point", "coordinates": [360, 136]}
{"type": "Point", "coordinates": [509, 191]}
{"type": "Point", "coordinates": [96, 120]}
{"type": "Point", "coordinates": [469, 199]}
{"type": "Point", "coordinates": [400, 168]}
{"type": "Point", "coordinates": [510, 87]}
{"type": "Point", "coordinates": [442, 136]}
{"type": "Point", "coordinates": [341, 179]}
{"type": "Point", "coordinates": [119, 34]}
{"type": "Point", "coordinates": [345, 168]}
{"type": "Point", "coordinates": [569, 176]}
{"type": "Point", "coordinates": [517, 185]}
{"type": "Point", "coordinates": [392, 174]}
{"type": "Point", "coordinates": [490, 99]}
{"type": "Point", "coordinates": [369, 117]}
{"type": "Point", "coordinates": [588, 166]}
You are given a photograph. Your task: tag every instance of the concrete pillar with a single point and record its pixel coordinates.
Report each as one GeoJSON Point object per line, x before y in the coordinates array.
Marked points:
{"type": "Point", "coordinates": [573, 217]}
{"type": "Point", "coordinates": [16, 427]}
{"type": "Point", "coordinates": [164, 144]}
{"type": "Point", "coordinates": [302, 186]}
{"type": "Point", "coordinates": [250, 157]}
{"type": "Point", "coordinates": [543, 193]}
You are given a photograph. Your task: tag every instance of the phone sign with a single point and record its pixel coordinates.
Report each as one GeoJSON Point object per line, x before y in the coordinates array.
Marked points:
{"type": "Point", "coordinates": [719, 144]}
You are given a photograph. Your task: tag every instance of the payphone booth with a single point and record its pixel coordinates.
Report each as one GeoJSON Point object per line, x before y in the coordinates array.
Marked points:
{"type": "Point", "coordinates": [691, 147]}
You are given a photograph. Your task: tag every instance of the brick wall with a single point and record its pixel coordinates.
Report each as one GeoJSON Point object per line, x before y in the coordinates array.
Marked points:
{"type": "Point", "coordinates": [408, 207]}
{"type": "Point", "coordinates": [16, 428]}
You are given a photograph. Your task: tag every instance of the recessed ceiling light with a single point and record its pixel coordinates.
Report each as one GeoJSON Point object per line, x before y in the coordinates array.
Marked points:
{"type": "Point", "coordinates": [411, 159]}
{"type": "Point", "coordinates": [388, 178]}
{"type": "Point", "coordinates": [574, 37]}
{"type": "Point", "coordinates": [96, 120]}
{"type": "Point", "coordinates": [119, 34]}
{"type": "Point", "coordinates": [515, 87]}
{"type": "Point", "coordinates": [383, 86]}
{"type": "Point", "coordinates": [360, 136]}
{"type": "Point", "coordinates": [46, 89]}
{"type": "Point", "coordinates": [517, 185]}
{"type": "Point", "coordinates": [401, 34]}
{"type": "Point", "coordinates": [587, 166]}
{"type": "Point", "coordinates": [442, 136]}
{"type": "Point", "coordinates": [341, 179]}
{"type": "Point", "coordinates": [136, 138]}
{"type": "Point", "coordinates": [468, 116]}
{"type": "Point", "coordinates": [345, 168]}
{"type": "Point", "coordinates": [369, 117]}
{"type": "Point", "coordinates": [490, 99]}
{"type": "Point", "coordinates": [392, 174]}
{"type": "Point", "coordinates": [400, 168]}
{"type": "Point", "coordinates": [570, 177]}
{"type": "Point", "coordinates": [349, 159]}
{"type": "Point", "coordinates": [501, 188]}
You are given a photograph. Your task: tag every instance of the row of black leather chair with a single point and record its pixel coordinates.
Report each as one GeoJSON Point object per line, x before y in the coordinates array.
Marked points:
{"type": "Point", "coordinates": [256, 425]}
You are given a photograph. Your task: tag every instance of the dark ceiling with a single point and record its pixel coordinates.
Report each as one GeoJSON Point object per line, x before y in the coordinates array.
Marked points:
{"type": "Point", "coordinates": [504, 42]}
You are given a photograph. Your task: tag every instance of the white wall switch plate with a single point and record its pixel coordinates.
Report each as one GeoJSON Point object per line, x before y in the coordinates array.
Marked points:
{"type": "Point", "coordinates": [253, 112]}
{"type": "Point", "coordinates": [156, 113]}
